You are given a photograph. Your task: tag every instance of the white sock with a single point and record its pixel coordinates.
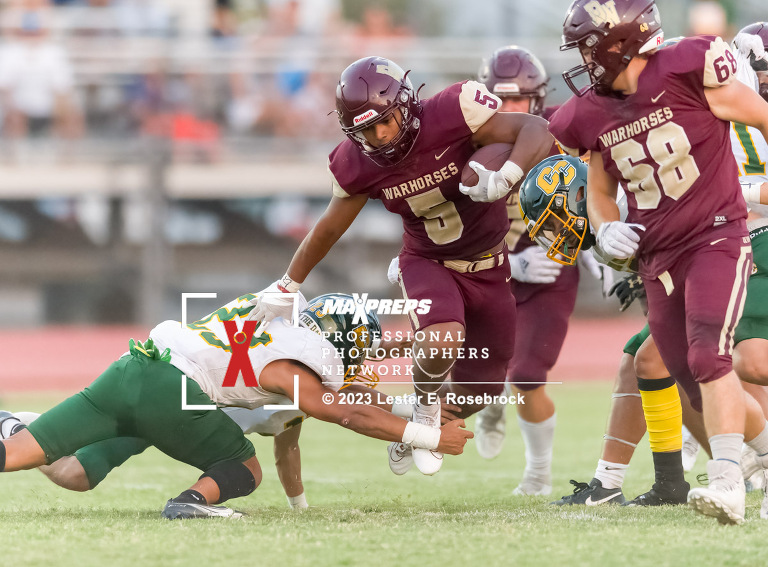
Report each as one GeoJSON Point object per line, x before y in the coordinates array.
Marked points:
{"type": "Point", "coordinates": [760, 442]}
{"type": "Point", "coordinates": [727, 447]}
{"type": "Point", "coordinates": [538, 439]}
{"type": "Point", "coordinates": [611, 475]}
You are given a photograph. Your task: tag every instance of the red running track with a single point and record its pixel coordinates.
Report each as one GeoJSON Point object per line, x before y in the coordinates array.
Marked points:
{"type": "Point", "coordinates": [67, 359]}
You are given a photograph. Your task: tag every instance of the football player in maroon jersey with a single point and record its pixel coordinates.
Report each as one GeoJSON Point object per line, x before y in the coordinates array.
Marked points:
{"type": "Point", "coordinates": [410, 154]}
{"type": "Point", "coordinates": [539, 285]}
{"type": "Point", "coordinates": [658, 121]}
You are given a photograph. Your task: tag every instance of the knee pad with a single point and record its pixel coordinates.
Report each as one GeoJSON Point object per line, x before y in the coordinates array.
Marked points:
{"type": "Point", "coordinates": [233, 478]}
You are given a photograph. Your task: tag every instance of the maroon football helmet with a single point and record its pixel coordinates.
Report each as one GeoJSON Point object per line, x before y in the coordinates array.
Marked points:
{"type": "Point", "coordinates": [369, 91]}
{"type": "Point", "coordinates": [608, 33]}
{"type": "Point", "coordinates": [514, 71]}
{"type": "Point", "coordinates": [759, 29]}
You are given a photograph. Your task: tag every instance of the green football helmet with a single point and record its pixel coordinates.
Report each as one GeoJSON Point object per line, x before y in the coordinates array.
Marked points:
{"type": "Point", "coordinates": [553, 204]}
{"type": "Point", "coordinates": [334, 315]}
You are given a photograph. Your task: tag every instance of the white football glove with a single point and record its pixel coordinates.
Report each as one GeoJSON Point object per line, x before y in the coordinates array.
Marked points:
{"type": "Point", "coordinates": [619, 239]}
{"type": "Point", "coordinates": [532, 266]}
{"type": "Point", "coordinates": [492, 185]}
{"type": "Point", "coordinates": [274, 302]}
{"type": "Point", "coordinates": [747, 44]}
{"type": "Point", "coordinates": [393, 270]}
{"type": "Point", "coordinates": [600, 272]}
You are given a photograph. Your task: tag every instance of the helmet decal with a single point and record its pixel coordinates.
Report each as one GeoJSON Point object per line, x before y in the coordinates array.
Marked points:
{"type": "Point", "coordinates": [608, 35]}
{"type": "Point", "coordinates": [392, 70]}
{"type": "Point", "coordinates": [602, 13]}
{"type": "Point", "coordinates": [553, 204]}
{"type": "Point", "coordinates": [549, 177]}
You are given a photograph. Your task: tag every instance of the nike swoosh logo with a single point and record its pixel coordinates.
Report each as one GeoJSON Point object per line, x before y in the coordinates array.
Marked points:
{"type": "Point", "coordinates": [438, 156]}
{"type": "Point", "coordinates": [716, 241]}
{"type": "Point", "coordinates": [508, 279]}
{"type": "Point", "coordinates": [590, 502]}
{"type": "Point", "coordinates": [657, 97]}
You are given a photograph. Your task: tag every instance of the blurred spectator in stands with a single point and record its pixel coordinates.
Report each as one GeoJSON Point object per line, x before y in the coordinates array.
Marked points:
{"type": "Point", "coordinates": [109, 18]}
{"type": "Point", "coordinates": [378, 23]}
{"type": "Point", "coordinates": [708, 17]}
{"type": "Point", "coordinates": [307, 113]}
{"type": "Point", "coordinates": [144, 17]}
{"type": "Point", "coordinates": [179, 108]}
{"type": "Point", "coordinates": [295, 99]}
{"type": "Point", "coordinates": [377, 28]}
{"type": "Point", "coordinates": [223, 20]}
{"type": "Point", "coordinates": [247, 104]}
{"type": "Point", "coordinates": [36, 77]}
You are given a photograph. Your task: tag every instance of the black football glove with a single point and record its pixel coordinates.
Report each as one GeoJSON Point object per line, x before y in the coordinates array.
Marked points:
{"type": "Point", "coordinates": [627, 290]}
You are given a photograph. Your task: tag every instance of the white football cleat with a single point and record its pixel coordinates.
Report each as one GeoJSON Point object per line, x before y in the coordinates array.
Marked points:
{"type": "Point", "coordinates": [9, 424]}
{"type": "Point", "coordinates": [427, 460]}
{"type": "Point", "coordinates": [690, 450]}
{"type": "Point", "coordinates": [725, 496]}
{"type": "Point", "coordinates": [26, 417]}
{"type": "Point", "coordinates": [532, 485]}
{"type": "Point", "coordinates": [490, 430]}
{"type": "Point", "coordinates": [400, 457]}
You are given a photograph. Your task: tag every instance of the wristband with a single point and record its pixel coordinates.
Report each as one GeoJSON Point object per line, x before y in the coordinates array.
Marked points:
{"type": "Point", "coordinates": [512, 172]}
{"type": "Point", "coordinates": [403, 409]}
{"type": "Point", "coordinates": [421, 436]}
{"type": "Point", "coordinates": [287, 285]}
{"type": "Point", "coordinates": [751, 192]}
{"type": "Point", "coordinates": [298, 502]}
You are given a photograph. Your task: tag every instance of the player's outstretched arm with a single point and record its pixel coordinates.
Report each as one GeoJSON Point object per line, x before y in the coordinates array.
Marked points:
{"type": "Point", "coordinates": [326, 232]}
{"type": "Point", "coordinates": [736, 102]}
{"type": "Point", "coordinates": [322, 403]}
{"type": "Point", "coordinates": [615, 239]}
{"type": "Point", "coordinates": [288, 464]}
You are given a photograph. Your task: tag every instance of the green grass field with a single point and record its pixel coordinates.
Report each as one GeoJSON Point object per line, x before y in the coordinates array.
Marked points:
{"type": "Point", "coordinates": [363, 514]}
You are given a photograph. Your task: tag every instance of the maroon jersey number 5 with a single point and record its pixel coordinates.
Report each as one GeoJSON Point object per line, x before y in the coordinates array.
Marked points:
{"type": "Point", "coordinates": [441, 219]}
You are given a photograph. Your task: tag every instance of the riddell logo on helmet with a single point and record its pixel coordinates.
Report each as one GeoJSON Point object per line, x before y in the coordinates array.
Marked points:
{"type": "Point", "coordinates": [360, 118]}
{"type": "Point", "coordinates": [506, 88]}
{"type": "Point", "coordinates": [360, 306]}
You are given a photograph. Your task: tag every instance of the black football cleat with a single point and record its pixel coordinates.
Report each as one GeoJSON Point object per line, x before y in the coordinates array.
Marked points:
{"type": "Point", "coordinates": [662, 494]}
{"type": "Point", "coordinates": [592, 494]}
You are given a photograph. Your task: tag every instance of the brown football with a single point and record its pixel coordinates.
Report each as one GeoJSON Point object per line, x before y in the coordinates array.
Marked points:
{"type": "Point", "coordinates": [491, 157]}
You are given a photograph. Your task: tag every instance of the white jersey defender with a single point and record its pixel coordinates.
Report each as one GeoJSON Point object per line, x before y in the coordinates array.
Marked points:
{"type": "Point", "coordinates": [202, 352]}
{"type": "Point", "coordinates": [749, 147]}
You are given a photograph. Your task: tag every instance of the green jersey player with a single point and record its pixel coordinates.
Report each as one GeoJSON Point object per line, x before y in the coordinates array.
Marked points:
{"type": "Point", "coordinates": [139, 396]}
